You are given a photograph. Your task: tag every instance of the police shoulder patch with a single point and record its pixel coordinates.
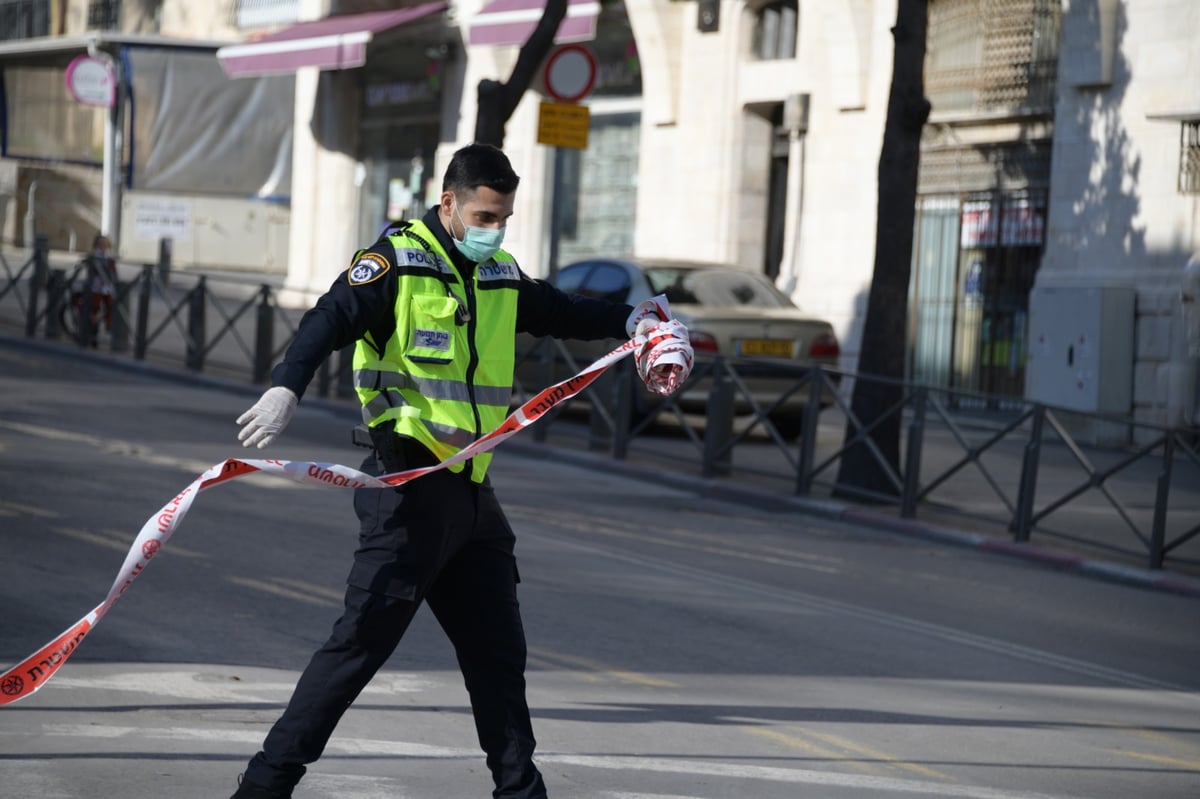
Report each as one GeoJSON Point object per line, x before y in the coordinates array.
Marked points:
{"type": "Point", "coordinates": [370, 266]}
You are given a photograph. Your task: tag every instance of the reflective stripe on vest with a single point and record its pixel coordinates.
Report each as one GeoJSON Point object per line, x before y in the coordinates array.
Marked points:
{"type": "Point", "coordinates": [440, 380]}
{"type": "Point", "coordinates": [432, 387]}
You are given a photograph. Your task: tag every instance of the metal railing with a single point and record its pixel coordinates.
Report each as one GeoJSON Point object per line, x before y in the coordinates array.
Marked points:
{"type": "Point", "coordinates": [1036, 476]}
{"type": "Point", "coordinates": [1029, 471]}
{"type": "Point", "coordinates": [226, 326]}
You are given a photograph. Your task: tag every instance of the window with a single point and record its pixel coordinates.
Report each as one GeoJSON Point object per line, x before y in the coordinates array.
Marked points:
{"type": "Point", "coordinates": [570, 278]}
{"type": "Point", "coordinates": [775, 30]}
{"type": "Point", "coordinates": [104, 15]}
{"type": "Point", "coordinates": [715, 287]}
{"type": "Point", "coordinates": [24, 19]}
{"type": "Point", "coordinates": [50, 124]}
{"type": "Point", "coordinates": [1189, 158]}
{"type": "Point", "coordinates": [598, 200]}
{"type": "Point", "coordinates": [992, 55]}
{"type": "Point", "coordinates": [607, 282]}
{"type": "Point", "coordinates": [727, 288]}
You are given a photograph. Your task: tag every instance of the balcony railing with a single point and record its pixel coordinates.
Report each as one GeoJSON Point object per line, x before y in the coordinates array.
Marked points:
{"type": "Point", "coordinates": [992, 57]}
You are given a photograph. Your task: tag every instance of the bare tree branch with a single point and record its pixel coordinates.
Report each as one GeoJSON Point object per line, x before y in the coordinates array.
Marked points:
{"type": "Point", "coordinates": [497, 101]}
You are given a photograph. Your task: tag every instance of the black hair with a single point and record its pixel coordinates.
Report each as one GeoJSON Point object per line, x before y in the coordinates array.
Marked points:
{"type": "Point", "coordinates": [480, 165]}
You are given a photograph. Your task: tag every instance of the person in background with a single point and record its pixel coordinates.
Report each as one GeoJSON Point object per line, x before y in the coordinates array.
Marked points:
{"type": "Point", "coordinates": [103, 274]}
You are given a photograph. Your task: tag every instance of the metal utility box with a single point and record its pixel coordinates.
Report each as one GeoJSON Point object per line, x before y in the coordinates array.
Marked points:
{"type": "Point", "coordinates": [1081, 348]}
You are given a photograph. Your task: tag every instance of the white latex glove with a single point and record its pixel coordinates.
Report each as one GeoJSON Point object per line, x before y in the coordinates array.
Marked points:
{"type": "Point", "coordinates": [664, 359]}
{"type": "Point", "coordinates": [655, 308]}
{"type": "Point", "coordinates": [267, 418]}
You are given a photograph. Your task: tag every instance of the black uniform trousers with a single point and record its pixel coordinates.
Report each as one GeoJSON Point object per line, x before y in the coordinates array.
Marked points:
{"type": "Point", "coordinates": [441, 539]}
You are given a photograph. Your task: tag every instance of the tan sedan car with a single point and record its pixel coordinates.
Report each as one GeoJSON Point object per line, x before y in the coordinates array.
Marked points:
{"type": "Point", "coordinates": [728, 311]}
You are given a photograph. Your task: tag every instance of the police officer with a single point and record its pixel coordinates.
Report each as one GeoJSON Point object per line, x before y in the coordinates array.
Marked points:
{"type": "Point", "coordinates": [432, 310]}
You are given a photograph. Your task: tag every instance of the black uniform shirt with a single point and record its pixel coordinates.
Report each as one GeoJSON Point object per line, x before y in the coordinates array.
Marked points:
{"type": "Point", "coordinates": [347, 312]}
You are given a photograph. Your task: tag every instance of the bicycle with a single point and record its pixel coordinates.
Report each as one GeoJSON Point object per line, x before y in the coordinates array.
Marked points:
{"type": "Point", "coordinates": [100, 298]}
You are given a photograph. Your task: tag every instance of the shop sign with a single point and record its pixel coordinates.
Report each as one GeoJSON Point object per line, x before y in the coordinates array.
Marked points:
{"type": "Point", "coordinates": [399, 93]}
{"type": "Point", "coordinates": [978, 224]}
{"type": "Point", "coordinates": [162, 218]}
{"type": "Point", "coordinates": [91, 80]}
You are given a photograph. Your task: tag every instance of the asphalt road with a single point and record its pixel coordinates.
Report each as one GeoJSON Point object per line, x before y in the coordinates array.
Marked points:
{"type": "Point", "coordinates": [680, 647]}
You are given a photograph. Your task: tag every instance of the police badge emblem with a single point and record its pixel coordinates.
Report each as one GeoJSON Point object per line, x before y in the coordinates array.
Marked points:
{"type": "Point", "coordinates": [368, 268]}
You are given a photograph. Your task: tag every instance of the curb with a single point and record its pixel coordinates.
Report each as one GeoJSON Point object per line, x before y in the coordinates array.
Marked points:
{"type": "Point", "coordinates": [715, 489]}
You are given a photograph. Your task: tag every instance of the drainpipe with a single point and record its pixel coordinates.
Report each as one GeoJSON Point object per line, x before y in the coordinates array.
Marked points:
{"type": "Point", "coordinates": [110, 200]}
{"type": "Point", "coordinates": [30, 216]}
{"type": "Point", "coordinates": [1182, 408]}
{"type": "Point", "coordinates": [795, 119]}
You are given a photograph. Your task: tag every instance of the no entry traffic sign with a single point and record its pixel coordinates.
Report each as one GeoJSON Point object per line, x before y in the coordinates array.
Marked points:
{"type": "Point", "coordinates": [570, 73]}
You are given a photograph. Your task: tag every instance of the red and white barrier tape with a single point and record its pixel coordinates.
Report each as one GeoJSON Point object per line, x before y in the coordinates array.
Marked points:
{"type": "Point", "coordinates": [35, 671]}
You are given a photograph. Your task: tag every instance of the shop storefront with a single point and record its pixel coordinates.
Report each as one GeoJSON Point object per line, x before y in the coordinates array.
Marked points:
{"type": "Point", "coordinates": [976, 252]}
{"type": "Point", "coordinates": [399, 135]}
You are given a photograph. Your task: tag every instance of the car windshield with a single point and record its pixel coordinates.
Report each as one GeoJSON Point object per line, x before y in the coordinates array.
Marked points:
{"type": "Point", "coordinates": [716, 288]}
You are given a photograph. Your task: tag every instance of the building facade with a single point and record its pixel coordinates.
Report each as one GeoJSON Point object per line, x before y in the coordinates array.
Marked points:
{"type": "Point", "coordinates": [1062, 154]}
{"type": "Point", "coordinates": [1124, 199]}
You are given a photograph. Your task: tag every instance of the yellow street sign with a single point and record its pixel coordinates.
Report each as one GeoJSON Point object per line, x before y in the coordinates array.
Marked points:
{"type": "Point", "coordinates": [563, 125]}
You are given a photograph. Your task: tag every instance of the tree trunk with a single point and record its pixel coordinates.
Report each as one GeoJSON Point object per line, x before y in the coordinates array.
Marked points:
{"type": "Point", "coordinates": [496, 101]}
{"type": "Point", "coordinates": [885, 328]}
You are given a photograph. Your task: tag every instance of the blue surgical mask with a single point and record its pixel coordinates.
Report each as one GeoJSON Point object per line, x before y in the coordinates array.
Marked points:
{"type": "Point", "coordinates": [478, 243]}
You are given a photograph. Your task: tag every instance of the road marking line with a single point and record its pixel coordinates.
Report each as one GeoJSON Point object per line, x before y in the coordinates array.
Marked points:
{"type": "Point", "coordinates": [28, 510]}
{"type": "Point", "coordinates": [174, 549]}
{"type": "Point", "coordinates": [1166, 740]}
{"type": "Point", "coordinates": [621, 795]}
{"type": "Point", "coordinates": [892, 621]}
{"type": "Point", "coordinates": [723, 539]}
{"type": "Point", "coordinates": [1189, 765]}
{"type": "Point", "coordinates": [35, 777]}
{"type": "Point", "coordinates": [222, 687]}
{"type": "Point", "coordinates": [735, 771]}
{"type": "Point", "coordinates": [178, 685]}
{"type": "Point", "coordinates": [220, 735]}
{"type": "Point", "coordinates": [813, 749]}
{"type": "Point", "coordinates": [827, 779]}
{"type": "Point", "coordinates": [91, 538]}
{"type": "Point", "coordinates": [1150, 735]}
{"type": "Point", "coordinates": [115, 540]}
{"type": "Point", "coordinates": [312, 588]}
{"type": "Point", "coordinates": [600, 668]}
{"type": "Point", "coordinates": [550, 665]}
{"type": "Point", "coordinates": [281, 591]}
{"type": "Point", "coordinates": [853, 746]}
{"type": "Point", "coordinates": [139, 452]}
{"type": "Point", "coordinates": [354, 786]}
{"type": "Point", "coordinates": [593, 526]}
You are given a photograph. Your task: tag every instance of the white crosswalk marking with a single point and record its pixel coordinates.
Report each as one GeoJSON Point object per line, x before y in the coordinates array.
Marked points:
{"type": "Point", "coordinates": [629, 765]}
{"type": "Point", "coordinates": [32, 778]}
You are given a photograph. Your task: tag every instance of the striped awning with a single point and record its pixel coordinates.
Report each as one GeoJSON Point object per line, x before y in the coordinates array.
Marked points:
{"type": "Point", "coordinates": [329, 43]}
{"type": "Point", "coordinates": [511, 21]}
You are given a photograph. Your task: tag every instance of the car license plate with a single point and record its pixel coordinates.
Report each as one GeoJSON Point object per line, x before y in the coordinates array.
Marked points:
{"type": "Point", "coordinates": [775, 347]}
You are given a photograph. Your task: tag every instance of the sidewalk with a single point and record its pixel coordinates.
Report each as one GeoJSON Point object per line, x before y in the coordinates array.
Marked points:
{"type": "Point", "coordinates": [963, 511]}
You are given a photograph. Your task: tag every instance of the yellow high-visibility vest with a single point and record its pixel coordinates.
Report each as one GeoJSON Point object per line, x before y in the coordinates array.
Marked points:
{"type": "Point", "coordinates": [445, 376]}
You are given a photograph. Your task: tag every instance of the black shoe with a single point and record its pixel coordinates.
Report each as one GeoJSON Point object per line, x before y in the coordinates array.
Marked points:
{"type": "Point", "coordinates": [252, 790]}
